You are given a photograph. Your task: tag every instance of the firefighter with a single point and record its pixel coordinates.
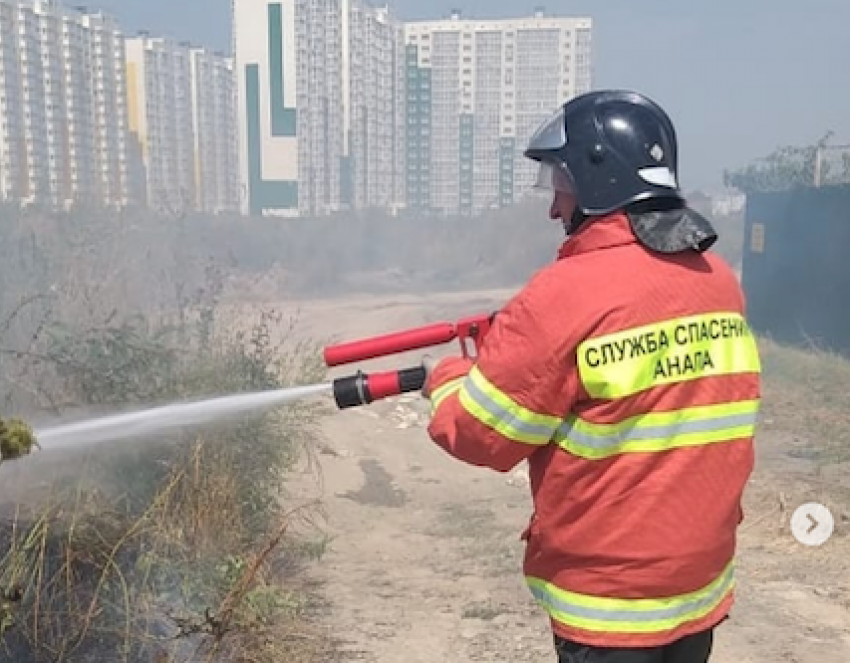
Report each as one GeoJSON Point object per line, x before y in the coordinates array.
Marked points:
{"type": "Point", "coordinates": [626, 375]}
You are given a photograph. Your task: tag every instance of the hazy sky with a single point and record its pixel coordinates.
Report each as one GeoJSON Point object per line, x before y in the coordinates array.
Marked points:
{"type": "Point", "coordinates": [739, 77]}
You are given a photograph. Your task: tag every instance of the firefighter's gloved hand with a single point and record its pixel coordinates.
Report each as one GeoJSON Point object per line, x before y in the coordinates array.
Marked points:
{"type": "Point", "coordinates": [428, 363]}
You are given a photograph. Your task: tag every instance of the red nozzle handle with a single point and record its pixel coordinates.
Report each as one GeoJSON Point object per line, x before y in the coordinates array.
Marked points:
{"type": "Point", "coordinates": [390, 344]}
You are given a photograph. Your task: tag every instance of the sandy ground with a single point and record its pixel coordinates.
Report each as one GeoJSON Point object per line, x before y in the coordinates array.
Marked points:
{"type": "Point", "coordinates": [424, 562]}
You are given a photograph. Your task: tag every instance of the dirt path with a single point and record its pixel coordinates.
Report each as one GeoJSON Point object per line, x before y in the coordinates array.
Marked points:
{"type": "Point", "coordinates": [423, 566]}
{"type": "Point", "coordinates": [424, 563]}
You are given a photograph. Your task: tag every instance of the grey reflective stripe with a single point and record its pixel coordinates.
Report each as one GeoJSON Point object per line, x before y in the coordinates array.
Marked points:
{"type": "Point", "coordinates": [503, 414]}
{"type": "Point", "coordinates": [660, 432]}
{"type": "Point", "coordinates": [681, 609]}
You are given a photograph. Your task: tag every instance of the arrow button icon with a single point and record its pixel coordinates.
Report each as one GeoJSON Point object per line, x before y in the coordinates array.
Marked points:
{"type": "Point", "coordinates": [812, 524]}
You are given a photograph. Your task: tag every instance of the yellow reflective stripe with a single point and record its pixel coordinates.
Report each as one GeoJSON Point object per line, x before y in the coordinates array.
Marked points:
{"type": "Point", "coordinates": [631, 361]}
{"type": "Point", "coordinates": [442, 392]}
{"type": "Point", "coordinates": [659, 431]}
{"type": "Point", "coordinates": [609, 615]}
{"type": "Point", "coordinates": [496, 410]}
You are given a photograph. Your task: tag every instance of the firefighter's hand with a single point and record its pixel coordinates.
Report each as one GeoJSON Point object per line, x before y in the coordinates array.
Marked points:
{"type": "Point", "coordinates": [428, 363]}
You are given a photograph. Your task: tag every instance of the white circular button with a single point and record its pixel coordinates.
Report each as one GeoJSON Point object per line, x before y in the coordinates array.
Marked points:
{"type": "Point", "coordinates": [812, 524]}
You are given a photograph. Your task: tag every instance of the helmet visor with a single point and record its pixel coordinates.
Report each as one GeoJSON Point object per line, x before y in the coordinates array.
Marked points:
{"type": "Point", "coordinates": [554, 177]}
{"type": "Point", "coordinates": [551, 136]}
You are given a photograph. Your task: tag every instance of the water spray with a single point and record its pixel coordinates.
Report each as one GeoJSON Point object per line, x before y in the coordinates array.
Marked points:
{"type": "Point", "coordinates": [17, 439]}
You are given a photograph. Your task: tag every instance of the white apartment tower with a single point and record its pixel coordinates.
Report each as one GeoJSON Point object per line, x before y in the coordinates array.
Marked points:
{"type": "Point", "coordinates": [476, 91]}
{"type": "Point", "coordinates": [215, 132]}
{"type": "Point", "coordinates": [182, 124]}
{"type": "Point", "coordinates": [61, 141]}
{"type": "Point", "coordinates": [321, 126]}
{"type": "Point", "coordinates": [107, 70]}
{"type": "Point", "coordinates": [13, 180]}
{"type": "Point", "coordinates": [289, 101]}
{"type": "Point", "coordinates": [159, 82]}
{"type": "Point", "coordinates": [313, 30]}
{"type": "Point", "coordinates": [374, 108]}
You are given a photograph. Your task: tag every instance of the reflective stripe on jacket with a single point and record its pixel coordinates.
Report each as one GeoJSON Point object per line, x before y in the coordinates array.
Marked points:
{"type": "Point", "coordinates": [630, 383]}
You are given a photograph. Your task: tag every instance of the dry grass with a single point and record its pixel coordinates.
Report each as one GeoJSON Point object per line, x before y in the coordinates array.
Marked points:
{"type": "Point", "coordinates": [177, 549]}
{"type": "Point", "coordinates": [807, 394]}
{"type": "Point", "coordinates": [182, 581]}
{"type": "Point", "coordinates": [804, 446]}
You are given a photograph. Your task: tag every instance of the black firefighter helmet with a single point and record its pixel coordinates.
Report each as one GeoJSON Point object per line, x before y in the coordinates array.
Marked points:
{"type": "Point", "coordinates": [617, 150]}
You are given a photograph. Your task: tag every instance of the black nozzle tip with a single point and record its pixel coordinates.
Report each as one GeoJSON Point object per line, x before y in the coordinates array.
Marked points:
{"type": "Point", "coordinates": [351, 391]}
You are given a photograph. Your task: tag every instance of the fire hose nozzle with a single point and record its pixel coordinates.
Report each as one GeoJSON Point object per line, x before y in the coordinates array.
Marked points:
{"type": "Point", "coordinates": [351, 391]}
{"type": "Point", "coordinates": [363, 389]}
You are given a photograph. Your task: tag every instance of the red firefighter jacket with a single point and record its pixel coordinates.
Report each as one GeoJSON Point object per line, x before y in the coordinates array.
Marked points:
{"type": "Point", "coordinates": [629, 381]}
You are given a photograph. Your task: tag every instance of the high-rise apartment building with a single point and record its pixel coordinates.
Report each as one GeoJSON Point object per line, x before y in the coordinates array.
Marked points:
{"type": "Point", "coordinates": [476, 91]}
{"type": "Point", "coordinates": [321, 126]}
{"type": "Point", "coordinates": [61, 141]}
{"type": "Point", "coordinates": [215, 132]}
{"type": "Point", "coordinates": [159, 82]}
{"type": "Point", "coordinates": [373, 41]}
{"type": "Point", "coordinates": [289, 158]}
{"type": "Point", "coordinates": [182, 125]}
{"type": "Point", "coordinates": [13, 179]}
{"type": "Point", "coordinates": [107, 71]}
